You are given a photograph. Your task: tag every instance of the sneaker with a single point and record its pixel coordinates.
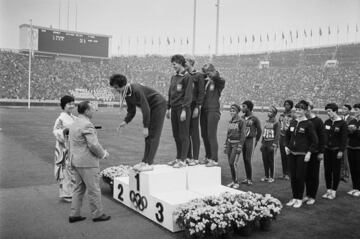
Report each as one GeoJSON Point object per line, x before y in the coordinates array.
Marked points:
{"type": "Point", "coordinates": [271, 180]}
{"type": "Point", "coordinates": [236, 186]}
{"type": "Point", "coordinates": [145, 167]}
{"type": "Point", "coordinates": [327, 194]}
{"type": "Point", "coordinates": [212, 163]}
{"type": "Point", "coordinates": [332, 195]}
{"type": "Point", "coordinates": [356, 193]}
{"type": "Point", "coordinates": [351, 192]}
{"type": "Point", "coordinates": [291, 202]}
{"type": "Point", "coordinates": [230, 185]}
{"type": "Point", "coordinates": [196, 161]}
{"type": "Point", "coordinates": [172, 163]}
{"type": "Point", "coordinates": [67, 199]}
{"type": "Point", "coordinates": [203, 161]}
{"type": "Point", "coordinates": [244, 181]}
{"type": "Point", "coordinates": [298, 203]}
{"type": "Point", "coordinates": [311, 201]}
{"type": "Point", "coordinates": [179, 164]}
{"type": "Point", "coordinates": [136, 166]}
{"type": "Point", "coordinates": [190, 162]}
{"type": "Point", "coordinates": [265, 179]}
{"type": "Point", "coordinates": [249, 182]}
{"type": "Point", "coordinates": [305, 199]}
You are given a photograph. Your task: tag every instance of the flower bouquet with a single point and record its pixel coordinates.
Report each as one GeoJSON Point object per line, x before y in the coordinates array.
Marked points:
{"type": "Point", "coordinates": [110, 173]}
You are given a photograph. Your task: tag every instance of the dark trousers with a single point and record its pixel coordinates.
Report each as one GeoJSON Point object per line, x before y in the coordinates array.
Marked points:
{"type": "Point", "coordinates": [284, 157]}
{"type": "Point", "coordinates": [354, 163]}
{"type": "Point", "coordinates": [267, 151]}
{"type": "Point", "coordinates": [312, 176]}
{"type": "Point", "coordinates": [180, 131]}
{"type": "Point", "coordinates": [157, 116]}
{"type": "Point", "coordinates": [297, 168]}
{"type": "Point", "coordinates": [332, 166]}
{"type": "Point", "coordinates": [209, 123]}
{"type": "Point", "coordinates": [231, 153]}
{"type": "Point", "coordinates": [247, 155]}
{"type": "Point", "coordinates": [194, 146]}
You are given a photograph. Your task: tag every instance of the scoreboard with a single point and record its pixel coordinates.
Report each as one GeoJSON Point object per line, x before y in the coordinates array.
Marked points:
{"type": "Point", "coordinates": [64, 42]}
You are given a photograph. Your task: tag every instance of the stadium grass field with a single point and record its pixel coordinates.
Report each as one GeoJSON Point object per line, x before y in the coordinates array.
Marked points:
{"type": "Point", "coordinates": [30, 208]}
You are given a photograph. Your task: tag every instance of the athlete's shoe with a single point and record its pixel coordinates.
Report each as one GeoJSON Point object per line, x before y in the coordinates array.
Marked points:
{"type": "Point", "coordinates": [203, 161]}
{"type": "Point", "coordinates": [351, 192]}
{"type": "Point", "coordinates": [271, 180]}
{"type": "Point", "coordinates": [265, 179]}
{"type": "Point", "coordinates": [332, 195]}
{"type": "Point", "coordinates": [172, 163]}
{"type": "Point", "coordinates": [137, 166]}
{"type": "Point", "coordinates": [145, 167]}
{"type": "Point", "coordinates": [291, 202]}
{"type": "Point", "coordinates": [298, 203]}
{"type": "Point", "coordinates": [230, 185]}
{"type": "Point", "coordinates": [236, 186]}
{"type": "Point", "coordinates": [180, 164]}
{"type": "Point", "coordinates": [191, 162]}
{"type": "Point", "coordinates": [305, 199]}
{"type": "Point", "coordinates": [311, 201]}
{"type": "Point", "coordinates": [212, 163]}
{"type": "Point", "coordinates": [356, 193]}
{"type": "Point", "coordinates": [327, 194]}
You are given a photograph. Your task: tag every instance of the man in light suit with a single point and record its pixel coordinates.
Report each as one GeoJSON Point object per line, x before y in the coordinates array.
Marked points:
{"type": "Point", "coordinates": [85, 153]}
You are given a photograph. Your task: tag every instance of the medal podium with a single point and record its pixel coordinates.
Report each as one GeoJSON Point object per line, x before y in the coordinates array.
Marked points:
{"type": "Point", "coordinates": [156, 194]}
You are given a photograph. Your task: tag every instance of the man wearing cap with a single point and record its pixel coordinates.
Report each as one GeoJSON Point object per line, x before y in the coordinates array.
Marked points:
{"type": "Point", "coordinates": [270, 143]}
{"type": "Point", "coordinates": [234, 142]}
{"type": "Point", "coordinates": [252, 130]}
{"type": "Point", "coordinates": [197, 101]}
{"type": "Point", "coordinates": [153, 108]}
{"type": "Point", "coordinates": [210, 114]}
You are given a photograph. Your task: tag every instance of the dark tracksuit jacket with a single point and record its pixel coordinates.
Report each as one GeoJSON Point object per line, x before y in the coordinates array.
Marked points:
{"type": "Point", "coordinates": [271, 135]}
{"type": "Point", "coordinates": [252, 130]}
{"type": "Point", "coordinates": [354, 152]}
{"type": "Point", "coordinates": [300, 139]}
{"type": "Point", "coordinates": [153, 108]}
{"type": "Point", "coordinates": [210, 115]}
{"type": "Point", "coordinates": [335, 140]}
{"type": "Point", "coordinates": [284, 120]}
{"type": "Point", "coordinates": [313, 166]}
{"type": "Point", "coordinates": [235, 139]}
{"type": "Point", "coordinates": [180, 98]}
{"type": "Point", "coordinates": [198, 99]}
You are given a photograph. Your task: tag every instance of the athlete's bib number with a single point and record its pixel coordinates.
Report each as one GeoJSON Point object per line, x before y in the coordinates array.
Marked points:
{"type": "Point", "coordinates": [269, 134]}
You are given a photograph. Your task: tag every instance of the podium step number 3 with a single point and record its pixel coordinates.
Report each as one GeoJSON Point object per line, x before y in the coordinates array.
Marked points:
{"type": "Point", "coordinates": [156, 194]}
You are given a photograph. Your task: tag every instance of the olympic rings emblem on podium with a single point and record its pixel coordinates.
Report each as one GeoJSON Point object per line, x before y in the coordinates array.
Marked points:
{"type": "Point", "coordinates": [138, 201]}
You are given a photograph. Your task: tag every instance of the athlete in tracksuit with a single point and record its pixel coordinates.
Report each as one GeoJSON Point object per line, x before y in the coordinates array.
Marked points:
{"type": "Point", "coordinates": [354, 151]}
{"type": "Point", "coordinates": [313, 166]}
{"type": "Point", "coordinates": [198, 98]}
{"type": "Point", "coordinates": [179, 106]}
{"type": "Point", "coordinates": [210, 114]}
{"type": "Point", "coordinates": [252, 130]}
{"type": "Point", "coordinates": [301, 141]}
{"type": "Point", "coordinates": [270, 142]}
{"type": "Point", "coordinates": [153, 108]}
{"type": "Point", "coordinates": [285, 119]}
{"type": "Point", "coordinates": [234, 142]}
{"type": "Point", "coordinates": [335, 142]}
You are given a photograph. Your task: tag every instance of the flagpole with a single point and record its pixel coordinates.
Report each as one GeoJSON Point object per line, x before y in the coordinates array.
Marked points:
{"type": "Point", "coordinates": [194, 29]}
{"type": "Point", "coordinates": [68, 14]}
{"type": "Point", "coordinates": [30, 53]}
{"type": "Point", "coordinates": [217, 27]}
{"type": "Point", "coordinates": [59, 12]}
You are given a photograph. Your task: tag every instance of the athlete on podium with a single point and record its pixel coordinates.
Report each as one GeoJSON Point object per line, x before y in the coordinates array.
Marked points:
{"type": "Point", "coordinates": [153, 108]}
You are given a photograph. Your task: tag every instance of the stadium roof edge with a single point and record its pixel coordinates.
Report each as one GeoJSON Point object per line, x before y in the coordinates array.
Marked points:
{"type": "Point", "coordinates": [48, 28]}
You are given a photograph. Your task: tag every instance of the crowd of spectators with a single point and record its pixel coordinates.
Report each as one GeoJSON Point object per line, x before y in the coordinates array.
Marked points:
{"type": "Point", "coordinates": [291, 75]}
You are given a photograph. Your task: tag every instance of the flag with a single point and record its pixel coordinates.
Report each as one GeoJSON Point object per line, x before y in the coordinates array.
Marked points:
{"type": "Point", "coordinates": [291, 36]}
{"type": "Point", "coordinates": [230, 40]}
{"type": "Point", "coordinates": [357, 28]}
{"type": "Point", "coordinates": [187, 41]}
{"type": "Point", "coordinates": [329, 31]}
{"type": "Point", "coordinates": [297, 34]}
{"type": "Point", "coordinates": [152, 41]}
{"type": "Point", "coordinates": [320, 31]}
{"type": "Point", "coordinates": [174, 39]}
{"type": "Point", "coordinates": [181, 41]}
{"type": "Point", "coordinates": [253, 38]}
{"type": "Point", "coordinates": [275, 36]}
{"type": "Point", "coordinates": [347, 28]}
{"type": "Point", "coordinates": [168, 40]}
{"type": "Point", "coordinates": [238, 40]}
{"type": "Point", "coordinates": [337, 30]}
{"type": "Point", "coordinates": [311, 33]}
{"type": "Point", "coordinates": [305, 33]}
{"type": "Point", "coordinates": [260, 39]}
{"type": "Point", "coordinates": [282, 36]}
{"type": "Point", "coordinates": [267, 37]}
{"type": "Point", "coordinates": [245, 39]}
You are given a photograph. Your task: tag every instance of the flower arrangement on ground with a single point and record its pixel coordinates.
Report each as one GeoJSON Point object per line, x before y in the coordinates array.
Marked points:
{"type": "Point", "coordinates": [110, 173]}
